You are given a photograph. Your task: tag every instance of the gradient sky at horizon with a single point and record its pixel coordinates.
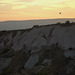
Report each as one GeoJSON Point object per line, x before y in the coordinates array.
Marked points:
{"type": "Point", "coordinates": [36, 9]}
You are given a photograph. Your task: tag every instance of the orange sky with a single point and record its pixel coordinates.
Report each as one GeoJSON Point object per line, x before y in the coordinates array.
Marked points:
{"type": "Point", "coordinates": [36, 9]}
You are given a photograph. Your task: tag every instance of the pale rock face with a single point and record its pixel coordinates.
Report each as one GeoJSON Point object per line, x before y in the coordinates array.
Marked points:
{"type": "Point", "coordinates": [10, 40]}
{"type": "Point", "coordinates": [32, 61]}
{"type": "Point", "coordinates": [16, 40]}
{"type": "Point", "coordinates": [64, 36]}
{"type": "Point", "coordinates": [69, 53]}
{"type": "Point", "coordinates": [47, 61]}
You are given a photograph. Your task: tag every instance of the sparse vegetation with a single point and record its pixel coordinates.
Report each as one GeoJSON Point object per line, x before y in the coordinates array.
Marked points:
{"type": "Point", "coordinates": [58, 23]}
{"type": "Point", "coordinates": [36, 26]}
{"type": "Point", "coordinates": [4, 51]}
{"type": "Point", "coordinates": [66, 24]}
{"type": "Point", "coordinates": [42, 73]}
{"type": "Point", "coordinates": [6, 72]}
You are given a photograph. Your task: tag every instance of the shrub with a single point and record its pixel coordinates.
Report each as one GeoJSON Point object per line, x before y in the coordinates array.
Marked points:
{"type": "Point", "coordinates": [58, 23]}
{"type": "Point", "coordinates": [67, 22]}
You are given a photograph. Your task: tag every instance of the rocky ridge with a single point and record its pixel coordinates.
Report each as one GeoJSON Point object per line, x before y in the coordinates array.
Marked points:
{"type": "Point", "coordinates": [41, 50]}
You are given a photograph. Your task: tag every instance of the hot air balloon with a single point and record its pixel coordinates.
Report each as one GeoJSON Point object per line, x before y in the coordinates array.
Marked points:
{"type": "Point", "coordinates": [59, 12]}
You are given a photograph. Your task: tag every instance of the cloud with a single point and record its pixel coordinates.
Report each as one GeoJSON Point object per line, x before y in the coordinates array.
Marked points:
{"type": "Point", "coordinates": [48, 8]}
{"type": "Point", "coordinates": [45, 4]}
{"type": "Point", "coordinates": [18, 7]}
{"type": "Point", "coordinates": [3, 3]}
{"type": "Point", "coordinates": [24, 0]}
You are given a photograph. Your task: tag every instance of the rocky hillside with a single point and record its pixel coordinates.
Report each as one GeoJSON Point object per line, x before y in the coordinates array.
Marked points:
{"type": "Point", "coordinates": [41, 50]}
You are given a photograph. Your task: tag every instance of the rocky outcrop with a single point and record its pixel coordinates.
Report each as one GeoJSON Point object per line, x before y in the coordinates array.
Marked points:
{"type": "Point", "coordinates": [48, 49]}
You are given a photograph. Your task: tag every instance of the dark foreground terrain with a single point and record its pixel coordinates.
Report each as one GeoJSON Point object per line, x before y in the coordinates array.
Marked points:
{"type": "Point", "coordinates": [41, 50]}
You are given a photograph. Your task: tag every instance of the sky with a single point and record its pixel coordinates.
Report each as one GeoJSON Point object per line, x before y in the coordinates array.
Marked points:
{"type": "Point", "coordinates": [36, 9]}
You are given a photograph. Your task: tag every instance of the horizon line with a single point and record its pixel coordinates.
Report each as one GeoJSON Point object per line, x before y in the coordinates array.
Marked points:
{"type": "Point", "coordinates": [34, 19]}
